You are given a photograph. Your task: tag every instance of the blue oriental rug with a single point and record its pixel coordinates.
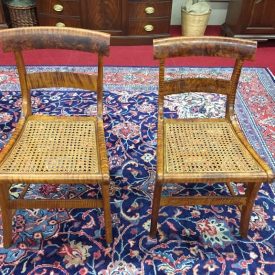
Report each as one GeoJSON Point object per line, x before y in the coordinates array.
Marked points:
{"type": "Point", "coordinates": [191, 240]}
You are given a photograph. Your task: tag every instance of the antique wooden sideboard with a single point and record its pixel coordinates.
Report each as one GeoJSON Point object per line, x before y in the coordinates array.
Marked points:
{"type": "Point", "coordinates": [129, 21]}
{"type": "Point", "coordinates": [3, 23]}
{"type": "Point", "coordinates": [253, 19]}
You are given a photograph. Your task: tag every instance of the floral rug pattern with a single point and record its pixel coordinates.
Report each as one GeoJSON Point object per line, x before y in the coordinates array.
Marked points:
{"type": "Point", "coordinates": [191, 239]}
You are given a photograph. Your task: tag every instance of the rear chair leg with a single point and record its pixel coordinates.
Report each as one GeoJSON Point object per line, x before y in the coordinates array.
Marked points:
{"type": "Point", "coordinates": [251, 193]}
{"type": "Point", "coordinates": [107, 212]}
{"type": "Point", "coordinates": [6, 214]}
{"type": "Point", "coordinates": [155, 209]}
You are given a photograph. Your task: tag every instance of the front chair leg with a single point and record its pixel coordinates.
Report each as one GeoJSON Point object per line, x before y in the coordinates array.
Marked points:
{"type": "Point", "coordinates": [6, 214]}
{"type": "Point", "coordinates": [155, 209]}
{"type": "Point", "coordinates": [107, 212]}
{"type": "Point", "coordinates": [251, 194]}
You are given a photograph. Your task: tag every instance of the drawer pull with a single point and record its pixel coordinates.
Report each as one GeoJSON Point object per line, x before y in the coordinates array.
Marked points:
{"type": "Point", "coordinates": [149, 10]}
{"type": "Point", "coordinates": [58, 8]}
{"type": "Point", "coordinates": [60, 25]}
{"type": "Point", "coordinates": [148, 28]}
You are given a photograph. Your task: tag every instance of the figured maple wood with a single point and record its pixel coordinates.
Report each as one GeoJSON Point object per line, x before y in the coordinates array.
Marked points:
{"type": "Point", "coordinates": [19, 39]}
{"type": "Point", "coordinates": [205, 150]}
{"type": "Point", "coordinates": [50, 149]}
{"type": "Point", "coordinates": [206, 85]}
{"type": "Point", "coordinates": [55, 203]}
{"type": "Point", "coordinates": [262, 163]}
{"type": "Point", "coordinates": [62, 79]}
{"type": "Point", "coordinates": [204, 46]}
{"type": "Point", "coordinates": [251, 194]}
{"type": "Point", "coordinates": [6, 213]}
{"type": "Point", "coordinates": [204, 200]}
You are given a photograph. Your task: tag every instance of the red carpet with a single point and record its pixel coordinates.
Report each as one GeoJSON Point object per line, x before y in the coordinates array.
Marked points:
{"type": "Point", "coordinates": [143, 56]}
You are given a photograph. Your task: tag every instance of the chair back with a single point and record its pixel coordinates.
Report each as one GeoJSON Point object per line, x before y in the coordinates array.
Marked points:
{"type": "Point", "coordinates": [233, 48]}
{"type": "Point", "coordinates": [18, 40]}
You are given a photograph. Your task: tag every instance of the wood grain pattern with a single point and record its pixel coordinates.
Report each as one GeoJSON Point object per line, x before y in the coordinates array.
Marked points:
{"type": "Point", "coordinates": [55, 203]}
{"type": "Point", "coordinates": [205, 200]}
{"type": "Point", "coordinates": [70, 8]}
{"type": "Point", "coordinates": [137, 27]}
{"type": "Point", "coordinates": [123, 19]}
{"type": "Point", "coordinates": [205, 150]}
{"type": "Point", "coordinates": [104, 14]}
{"type": "Point", "coordinates": [53, 20]}
{"type": "Point", "coordinates": [41, 149]}
{"type": "Point", "coordinates": [205, 85]}
{"type": "Point", "coordinates": [137, 9]}
{"type": "Point", "coordinates": [62, 79]}
{"type": "Point", "coordinates": [251, 19]}
{"type": "Point", "coordinates": [19, 39]}
{"type": "Point", "coordinates": [3, 23]}
{"type": "Point", "coordinates": [204, 46]}
{"type": "Point", "coordinates": [251, 194]}
{"type": "Point", "coordinates": [6, 212]}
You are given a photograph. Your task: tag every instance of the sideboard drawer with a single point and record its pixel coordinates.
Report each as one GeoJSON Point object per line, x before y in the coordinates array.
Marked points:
{"type": "Point", "coordinates": [46, 20]}
{"type": "Point", "coordinates": [148, 27]}
{"type": "Point", "coordinates": [149, 9]}
{"type": "Point", "coordinates": [129, 22]}
{"type": "Point", "coordinates": [60, 7]}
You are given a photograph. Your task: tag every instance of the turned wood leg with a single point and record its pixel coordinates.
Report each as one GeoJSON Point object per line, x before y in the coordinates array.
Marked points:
{"type": "Point", "coordinates": [6, 214]}
{"type": "Point", "coordinates": [155, 210]}
{"type": "Point", "coordinates": [251, 193]}
{"type": "Point", "coordinates": [107, 212]}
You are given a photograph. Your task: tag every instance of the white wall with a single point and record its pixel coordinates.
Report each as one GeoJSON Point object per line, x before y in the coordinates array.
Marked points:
{"type": "Point", "coordinates": [217, 16]}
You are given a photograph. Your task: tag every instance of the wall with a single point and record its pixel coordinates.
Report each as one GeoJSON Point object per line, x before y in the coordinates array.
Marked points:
{"type": "Point", "coordinates": [217, 16]}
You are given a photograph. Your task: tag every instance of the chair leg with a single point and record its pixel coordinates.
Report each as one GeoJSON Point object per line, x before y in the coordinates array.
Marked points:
{"type": "Point", "coordinates": [251, 193]}
{"type": "Point", "coordinates": [155, 209]}
{"type": "Point", "coordinates": [6, 214]}
{"type": "Point", "coordinates": [107, 212]}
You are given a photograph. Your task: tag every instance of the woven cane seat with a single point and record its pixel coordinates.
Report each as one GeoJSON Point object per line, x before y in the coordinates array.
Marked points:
{"type": "Point", "coordinates": [52, 145]}
{"type": "Point", "coordinates": [206, 148]}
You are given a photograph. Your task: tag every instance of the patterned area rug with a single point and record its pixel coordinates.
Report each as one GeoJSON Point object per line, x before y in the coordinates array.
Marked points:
{"type": "Point", "coordinates": [191, 240]}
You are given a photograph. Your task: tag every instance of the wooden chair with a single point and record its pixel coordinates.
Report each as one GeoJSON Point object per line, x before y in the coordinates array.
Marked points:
{"type": "Point", "coordinates": [205, 150]}
{"type": "Point", "coordinates": [51, 149]}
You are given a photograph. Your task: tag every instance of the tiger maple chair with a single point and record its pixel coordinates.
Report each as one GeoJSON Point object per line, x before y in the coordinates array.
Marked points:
{"type": "Point", "coordinates": [205, 150]}
{"type": "Point", "coordinates": [55, 149]}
